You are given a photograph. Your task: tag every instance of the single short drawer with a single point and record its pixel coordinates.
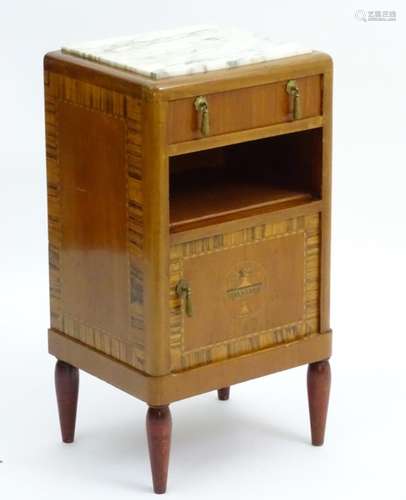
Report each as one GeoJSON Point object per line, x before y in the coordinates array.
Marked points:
{"type": "Point", "coordinates": [243, 109]}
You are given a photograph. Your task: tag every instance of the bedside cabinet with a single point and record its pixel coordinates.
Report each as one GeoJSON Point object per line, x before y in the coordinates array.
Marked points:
{"type": "Point", "coordinates": [189, 219]}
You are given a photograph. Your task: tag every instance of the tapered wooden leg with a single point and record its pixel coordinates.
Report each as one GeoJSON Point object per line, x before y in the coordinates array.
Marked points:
{"type": "Point", "coordinates": [67, 388]}
{"type": "Point", "coordinates": [159, 428]}
{"type": "Point", "coordinates": [318, 389]}
{"type": "Point", "coordinates": [223, 393]}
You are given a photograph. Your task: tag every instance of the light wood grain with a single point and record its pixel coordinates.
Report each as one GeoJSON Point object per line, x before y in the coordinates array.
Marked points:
{"type": "Point", "coordinates": [326, 194]}
{"type": "Point", "coordinates": [172, 387]}
{"type": "Point", "coordinates": [244, 135]}
{"type": "Point", "coordinates": [208, 264]}
{"type": "Point", "coordinates": [243, 109]}
{"type": "Point", "coordinates": [96, 279]}
{"type": "Point", "coordinates": [142, 107]}
{"type": "Point", "coordinates": [156, 256]}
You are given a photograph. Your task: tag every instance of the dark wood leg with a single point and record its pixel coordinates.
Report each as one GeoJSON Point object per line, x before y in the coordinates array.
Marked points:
{"type": "Point", "coordinates": [318, 389]}
{"type": "Point", "coordinates": [159, 427]}
{"type": "Point", "coordinates": [67, 388]}
{"type": "Point", "coordinates": [223, 393]}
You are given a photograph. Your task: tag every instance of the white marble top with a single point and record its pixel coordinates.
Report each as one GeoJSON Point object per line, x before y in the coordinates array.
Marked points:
{"type": "Point", "coordinates": [196, 49]}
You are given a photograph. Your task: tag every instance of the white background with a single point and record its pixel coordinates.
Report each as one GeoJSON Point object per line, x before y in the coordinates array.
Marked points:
{"type": "Point", "coordinates": [257, 444]}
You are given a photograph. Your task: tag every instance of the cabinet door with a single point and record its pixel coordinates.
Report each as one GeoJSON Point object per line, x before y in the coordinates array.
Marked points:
{"type": "Point", "coordinates": [245, 291]}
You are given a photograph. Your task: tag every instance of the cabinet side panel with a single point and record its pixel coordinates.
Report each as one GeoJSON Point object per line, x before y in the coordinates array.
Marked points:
{"type": "Point", "coordinates": [93, 209]}
{"type": "Point", "coordinates": [95, 214]}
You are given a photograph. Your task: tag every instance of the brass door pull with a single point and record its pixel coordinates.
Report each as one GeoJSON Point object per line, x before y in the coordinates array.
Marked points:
{"type": "Point", "coordinates": [294, 99]}
{"type": "Point", "coordinates": [184, 291]}
{"type": "Point", "coordinates": [202, 108]}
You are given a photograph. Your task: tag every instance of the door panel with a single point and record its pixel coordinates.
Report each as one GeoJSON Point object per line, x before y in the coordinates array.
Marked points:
{"type": "Point", "coordinates": [244, 290]}
{"type": "Point", "coordinates": [250, 289]}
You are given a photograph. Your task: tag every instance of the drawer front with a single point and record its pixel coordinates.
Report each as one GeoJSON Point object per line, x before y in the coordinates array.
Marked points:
{"type": "Point", "coordinates": [251, 289]}
{"type": "Point", "coordinates": [243, 109]}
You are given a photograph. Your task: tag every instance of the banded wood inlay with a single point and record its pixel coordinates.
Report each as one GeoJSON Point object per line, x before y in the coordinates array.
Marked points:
{"type": "Point", "coordinates": [309, 228]}
{"type": "Point", "coordinates": [59, 89]}
{"type": "Point", "coordinates": [135, 224]}
{"type": "Point", "coordinates": [54, 220]}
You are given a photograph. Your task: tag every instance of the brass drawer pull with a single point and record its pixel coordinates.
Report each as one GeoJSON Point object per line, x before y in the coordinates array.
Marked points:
{"type": "Point", "coordinates": [184, 291]}
{"type": "Point", "coordinates": [202, 108]}
{"type": "Point", "coordinates": [294, 99]}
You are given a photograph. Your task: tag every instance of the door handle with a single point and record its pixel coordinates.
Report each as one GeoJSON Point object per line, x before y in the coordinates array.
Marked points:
{"type": "Point", "coordinates": [184, 292]}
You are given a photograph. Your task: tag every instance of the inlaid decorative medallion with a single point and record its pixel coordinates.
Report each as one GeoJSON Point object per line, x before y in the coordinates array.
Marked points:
{"type": "Point", "coordinates": [242, 286]}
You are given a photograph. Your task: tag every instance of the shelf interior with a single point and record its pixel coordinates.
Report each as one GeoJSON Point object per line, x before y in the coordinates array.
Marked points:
{"type": "Point", "coordinates": [253, 177]}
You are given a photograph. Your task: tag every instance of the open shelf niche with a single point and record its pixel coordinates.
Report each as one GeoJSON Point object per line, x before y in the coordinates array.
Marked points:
{"type": "Point", "coordinates": [239, 180]}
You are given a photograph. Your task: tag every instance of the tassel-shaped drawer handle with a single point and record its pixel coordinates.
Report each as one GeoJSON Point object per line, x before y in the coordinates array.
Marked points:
{"type": "Point", "coordinates": [294, 99]}
{"type": "Point", "coordinates": [202, 108]}
{"type": "Point", "coordinates": [184, 292]}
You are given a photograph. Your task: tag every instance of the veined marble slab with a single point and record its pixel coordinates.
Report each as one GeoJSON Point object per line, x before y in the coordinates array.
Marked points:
{"type": "Point", "coordinates": [195, 49]}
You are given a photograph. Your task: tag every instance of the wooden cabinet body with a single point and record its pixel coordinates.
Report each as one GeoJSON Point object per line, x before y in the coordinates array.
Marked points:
{"type": "Point", "coordinates": [139, 199]}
